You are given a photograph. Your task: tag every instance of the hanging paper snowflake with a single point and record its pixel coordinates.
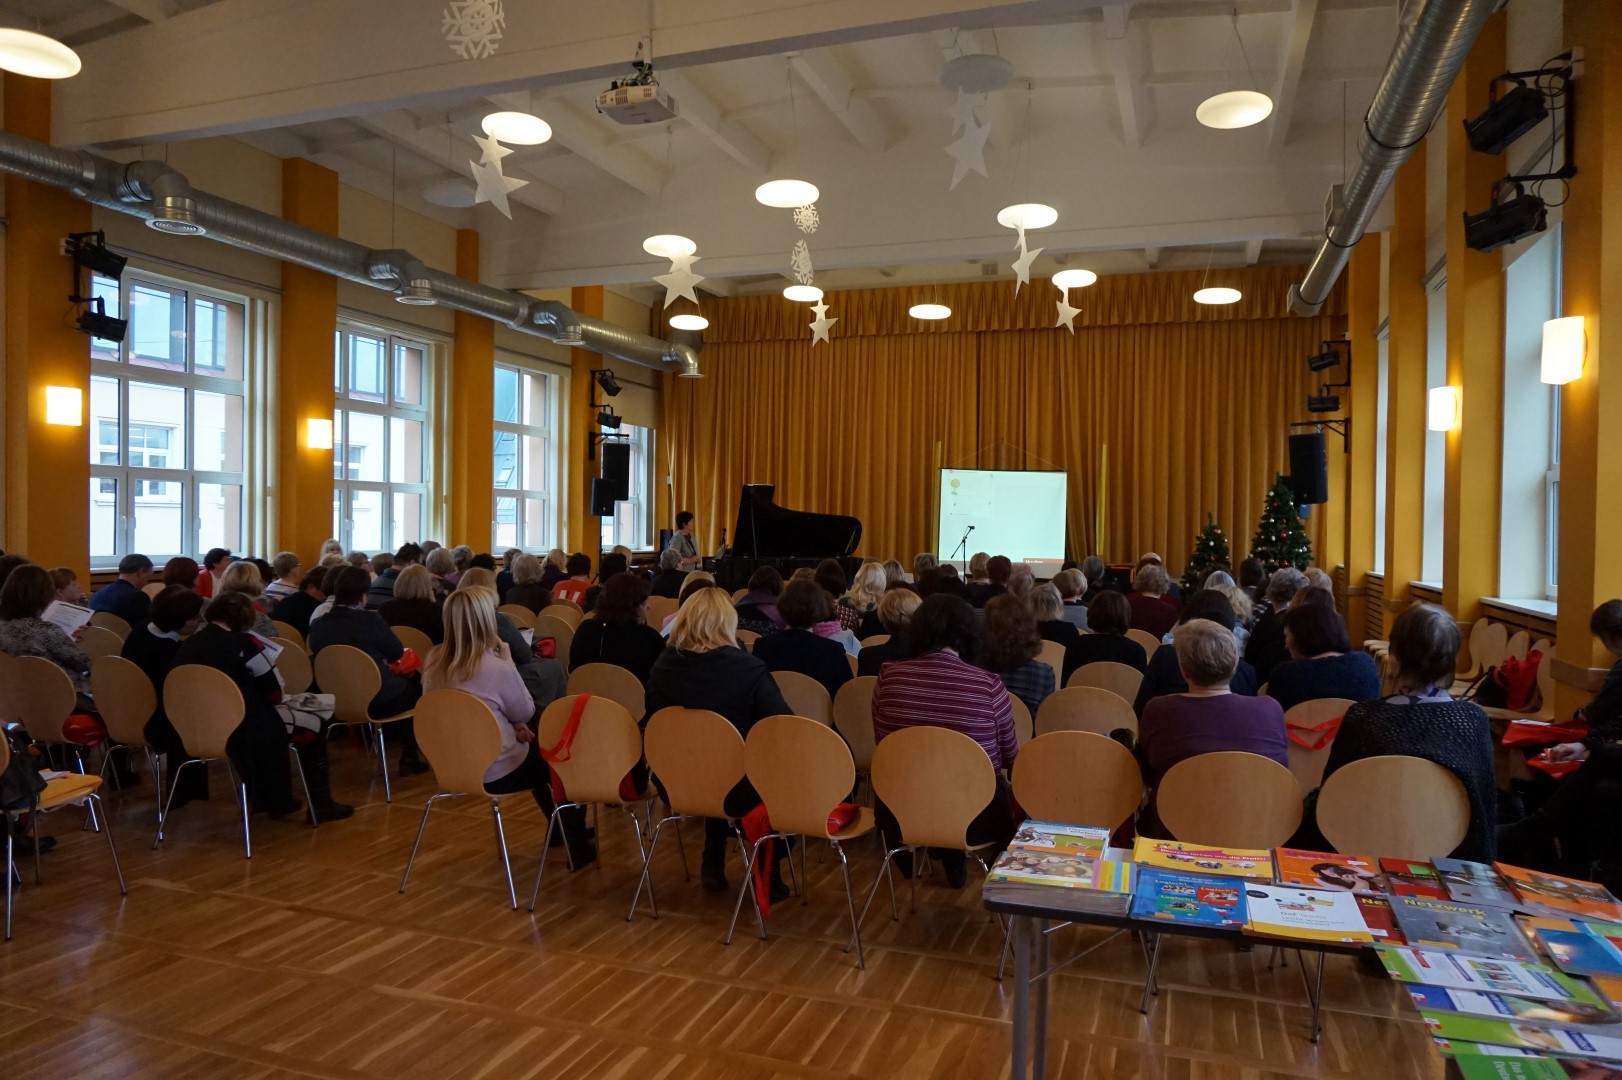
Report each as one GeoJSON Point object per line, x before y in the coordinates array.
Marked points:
{"type": "Point", "coordinates": [807, 219]}
{"type": "Point", "coordinates": [473, 28]}
{"type": "Point", "coordinates": [800, 263]}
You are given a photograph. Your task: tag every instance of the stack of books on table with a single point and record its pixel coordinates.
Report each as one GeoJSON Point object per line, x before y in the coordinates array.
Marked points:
{"type": "Point", "coordinates": [1074, 862]}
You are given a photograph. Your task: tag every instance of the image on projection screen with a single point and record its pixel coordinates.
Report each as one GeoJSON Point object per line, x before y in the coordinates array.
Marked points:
{"type": "Point", "coordinates": [1017, 514]}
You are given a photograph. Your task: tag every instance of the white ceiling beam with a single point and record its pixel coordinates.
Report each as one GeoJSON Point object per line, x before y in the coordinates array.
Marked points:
{"type": "Point", "coordinates": [1253, 251]}
{"type": "Point", "coordinates": [150, 10]}
{"type": "Point", "coordinates": [826, 75]}
{"type": "Point", "coordinates": [283, 143]}
{"type": "Point", "coordinates": [1128, 50]}
{"type": "Point", "coordinates": [1151, 255]}
{"type": "Point", "coordinates": [454, 155]}
{"type": "Point", "coordinates": [586, 138]}
{"type": "Point", "coordinates": [1292, 59]}
{"type": "Point", "coordinates": [701, 111]}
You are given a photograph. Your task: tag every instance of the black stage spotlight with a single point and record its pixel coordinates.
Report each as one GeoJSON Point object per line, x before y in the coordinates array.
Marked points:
{"type": "Point", "coordinates": [1506, 119]}
{"type": "Point", "coordinates": [89, 250]}
{"type": "Point", "coordinates": [1505, 222]}
{"type": "Point", "coordinates": [1322, 403]}
{"type": "Point", "coordinates": [1323, 361]}
{"type": "Point", "coordinates": [608, 419]}
{"type": "Point", "coordinates": [606, 380]}
{"type": "Point", "coordinates": [98, 324]}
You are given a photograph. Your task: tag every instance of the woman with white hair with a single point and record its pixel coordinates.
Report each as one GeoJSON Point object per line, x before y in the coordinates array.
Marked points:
{"type": "Point", "coordinates": [1152, 611]}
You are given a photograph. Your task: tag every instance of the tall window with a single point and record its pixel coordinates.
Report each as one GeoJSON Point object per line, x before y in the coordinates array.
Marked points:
{"type": "Point", "coordinates": [524, 472]}
{"type": "Point", "coordinates": [1435, 441]}
{"type": "Point", "coordinates": [379, 438]}
{"type": "Point", "coordinates": [167, 421]}
{"type": "Point", "coordinates": [1382, 413]}
{"type": "Point", "coordinates": [1529, 478]}
{"type": "Point", "coordinates": [631, 523]}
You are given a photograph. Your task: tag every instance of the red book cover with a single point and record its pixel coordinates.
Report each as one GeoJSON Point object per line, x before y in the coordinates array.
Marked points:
{"type": "Point", "coordinates": [1404, 877]}
{"type": "Point", "coordinates": [1379, 919]}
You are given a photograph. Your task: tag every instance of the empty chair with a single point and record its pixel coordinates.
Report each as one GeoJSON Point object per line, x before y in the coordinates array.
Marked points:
{"type": "Point", "coordinates": [853, 718]}
{"type": "Point", "coordinates": [1230, 799]}
{"type": "Point", "coordinates": [746, 638]}
{"type": "Point", "coordinates": [352, 678]}
{"type": "Point", "coordinates": [518, 613]}
{"type": "Point", "coordinates": [1477, 630]}
{"type": "Point", "coordinates": [1545, 709]}
{"type": "Point", "coordinates": [1052, 654]}
{"type": "Point", "coordinates": [205, 706]}
{"type": "Point", "coordinates": [612, 682]}
{"type": "Point", "coordinates": [289, 634]}
{"type": "Point", "coordinates": [126, 701]}
{"type": "Point", "coordinates": [1149, 642]}
{"type": "Point", "coordinates": [874, 639]}
{"type": "Point", "coordinates": [1024, 726]}
{"type": "Point", "coordinates": [1085, 708]}
{"type": "Point", "coordinates": [565, 611]}
{"type": "Point", "coordinates": [153, 588]}
{"type": "Point", "coordinates": [560, 631]}
{"type": "Point", "coordinates": [739, 594]}
{"type": "Point", "coordinates": [1314, 724]}
{"type": "Point", "coordinates": [97, 641]}
{"type": "Point", "coordinates": [1079, 778]}
{"type": "Point", "coordinates": [294, 665]}
{"type": "Point", "coordinates": [1518, 644]}
{"type": "Point", "coordinates": [414, 639]}
{"type": "Point", "coordinates": [661, 608]}
{"type": "Point", "coordinates": [108, 621]}
{"type": "Point", "coordinates": [1400, 807]}
{"type": "Point", "coordinates": [806, 696]}
{"type": "Point", "coordinates": [1121, 680]}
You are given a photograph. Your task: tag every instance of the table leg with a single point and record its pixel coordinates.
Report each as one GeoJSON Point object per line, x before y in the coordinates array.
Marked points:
{"type": "Point", "coordinates": [1318, 999]}
{"type": "Point", "coordinates": [1039, 1055]}
{"type": "Point", "coordinates": [1154, 962]}
{"type": "Point", "coordinates": [1022, 993]}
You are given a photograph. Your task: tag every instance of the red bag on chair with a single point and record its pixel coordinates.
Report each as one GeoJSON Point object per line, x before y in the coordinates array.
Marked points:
{"type": "Point", "coordinates": [408, 663]}
{"type": "Point", "coordinates": [84, 729]}
{"type": "Point", "coordinates": [628, 787]}
{"type": "Point", "coordinates": [1535, 734]}
{"type": "Point", "coordinates": [1518, 680]}
{"type": "Point", "coordinates": [843, 815]}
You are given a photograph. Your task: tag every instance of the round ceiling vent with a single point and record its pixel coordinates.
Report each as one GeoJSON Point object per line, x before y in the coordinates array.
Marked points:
{"type": "Point", "coordinates": [452, 193]}
{"type": "Point", "coordinates": [976, 73]}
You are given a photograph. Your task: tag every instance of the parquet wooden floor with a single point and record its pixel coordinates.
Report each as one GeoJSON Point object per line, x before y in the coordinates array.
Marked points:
{"type": "Point", "coordinates": [305, 962]}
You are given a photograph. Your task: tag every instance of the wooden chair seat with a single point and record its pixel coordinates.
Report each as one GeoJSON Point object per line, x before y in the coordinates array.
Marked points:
{"type": "Point", "coordinates": [68, 790]}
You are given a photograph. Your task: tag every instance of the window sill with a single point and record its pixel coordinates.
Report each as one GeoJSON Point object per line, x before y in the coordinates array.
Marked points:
{"type": "Point", "coordinates": [1538, 609]}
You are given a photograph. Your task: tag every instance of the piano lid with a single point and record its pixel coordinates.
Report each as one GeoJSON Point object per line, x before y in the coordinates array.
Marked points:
{"type": "Point", "coordinates": [766, 530]}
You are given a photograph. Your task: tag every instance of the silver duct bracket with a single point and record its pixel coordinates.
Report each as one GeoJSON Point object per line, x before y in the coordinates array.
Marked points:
{"type": "Point", "coordinates": [174, 209]}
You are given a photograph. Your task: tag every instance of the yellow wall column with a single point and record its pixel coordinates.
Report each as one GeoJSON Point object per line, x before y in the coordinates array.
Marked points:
{"type": "Point", "coordinates": [1405, 391]}
{"type": "Point", "coordinates": [303, 383]}
{"type": "Point", "coordinates": [1363, 324]}
{"type": "Point", "coordinates": [582, 527]}
{"type": "Point", "coordinates": [1591, 407]}
{"type": "Point", "coordinates": [1475, 348]}
{"type": "Point", "coordinates": [472, 407]}
{"type": "Point", "coordinates": [47, 466]}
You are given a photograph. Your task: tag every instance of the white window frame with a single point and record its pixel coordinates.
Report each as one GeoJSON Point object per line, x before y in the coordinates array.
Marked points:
{"type": "Point", "coordinates": [1382, 414]}
{"type": "Point", "coordinates": [545, 431]}
{"type": "Point", "coordinates": [631, 524]}
{"type": "Point", "coordinates": [345, 406]}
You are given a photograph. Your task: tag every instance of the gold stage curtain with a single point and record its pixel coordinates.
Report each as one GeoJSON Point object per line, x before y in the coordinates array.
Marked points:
{"type": "Point", "coordinates": [1193, 404]}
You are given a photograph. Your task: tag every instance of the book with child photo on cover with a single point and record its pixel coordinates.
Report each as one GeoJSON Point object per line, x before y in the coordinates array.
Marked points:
{"type": "Point", "coordinates": [1255, 863]}
{"type": "Point", "coordinates": [1194, 899]}
{"type": "Point", "coordinates": [1326, 870]}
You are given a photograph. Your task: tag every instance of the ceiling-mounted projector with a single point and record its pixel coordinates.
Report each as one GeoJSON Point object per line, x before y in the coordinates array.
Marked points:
{"type": "Point", "coordinates": [637, 103]}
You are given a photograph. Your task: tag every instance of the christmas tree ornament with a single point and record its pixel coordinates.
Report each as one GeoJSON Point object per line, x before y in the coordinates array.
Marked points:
{"type": "Point", "coordinates": [1281, 536]}
{"type": "Point", "coordinates": [474, 28]}
{"type": "Point", "coordinates": [800, 263]}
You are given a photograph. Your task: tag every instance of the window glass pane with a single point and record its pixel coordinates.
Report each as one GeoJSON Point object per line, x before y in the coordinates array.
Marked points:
{"type": "Point", "coordinates": [534, 462]}
{"type": "Point", "coordinates": [407, 522]}
{"type": "Point", "coordinates": [506, 460]}
{"type": "Point", "coordinates": [535, 400]}
{"type": "Point", "coordinates": [219, 507]}
{"type": "Point", "coordinates": [104, 441]}
{"type": "Point", "coordinates": [408, 365]}
{"type": "Point", "coordinates": [217, 428]}
{"type": "Point", "coordinates": [338, 514]}
{"type": "Point", "coordinates": [103, 519]}
{"type": "Point", "coordinates": [506, 523]}
{"type": "Point", "coordinates": [366, 373]}
{"type": "Point", "coordinates": [535, 534]}
{"type": "Point", "coordinates": [338, 361]}
{"type": "Point", "coordinates": [217, 337]}
{"type": "Point", "coordinates": [160, 519]}
{"type": "Point", "coordinates": [364, 446]}
{"type": "Point", "coordinates": [105, 290]}
{"type": "Point", "coordinates": [366, 520]}
{"type": "Point", "coordinates": [156, 435]}
{"type": "Point", "coordinates": [157, 327]}
{"type": "Point", "coordinates": [507, 396]}
{"type": "Point", "coordinates": [405, 450]}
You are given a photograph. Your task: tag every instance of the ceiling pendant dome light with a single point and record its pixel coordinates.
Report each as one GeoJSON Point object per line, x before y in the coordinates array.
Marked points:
{"type": "Point", "coordinates": [1027, 216]}
{"type": "Point", "coordinates": [1074, 279]}
{"type": "Point", "coordinates": [517, 128]}
{"type": "Point", "coordinates": [669, 246]}
{"type": "Point", "coordinates": [804, 294]}
{"type": "Point", "coordinates": [1218, 295]}
{"type": "Point", "coordinates": [1236, 108]}
{"type": "Point", "coordinates": [930, 311]}
{"type": "Point", "coordinates": [787, 194]}
{"type": "Point", "coordinates": [27, 53]}
{"type": "Point", "coordinates": [689, 321]}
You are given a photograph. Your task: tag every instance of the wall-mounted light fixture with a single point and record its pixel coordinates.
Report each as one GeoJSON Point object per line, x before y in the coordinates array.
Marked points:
{"type": "Point", "coordinates": [1443, 411]}
{"type": "Point", "coordinates": [64, 405]}
{"type": "Point", "coordinates": [1565, 344]}
{"type": "Point", "coordinates": [318, 433]}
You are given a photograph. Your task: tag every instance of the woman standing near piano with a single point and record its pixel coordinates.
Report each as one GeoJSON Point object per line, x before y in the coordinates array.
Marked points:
{"type": "Point", "coordinates": [682, 542]}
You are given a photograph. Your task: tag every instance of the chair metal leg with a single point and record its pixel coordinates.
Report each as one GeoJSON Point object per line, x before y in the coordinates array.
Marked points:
{"type": "Point", "coordinates": [681, 849]}
{"type": "Point", "coordinates": [11, 870]}
{"type": "Point", "coordinates": [748, 889]}
{"type": "Point", "coordinates": [383, 764]}
{"type": "Point", "coordinates": [1149, 985]}
{"type": "Point", "coordinates": [93, 802]}
{"type": "Point", "coordinates": [646, 878]}
{"type": "Point", "coordinates": [805, 879]}
{"type": "Point", "coordinates": [33, 825]}
{"type": "Point", "coordinates": [501, 841]}
{"type": "Point", "coordinates": [884, 868]}
{"type": "Point", "coordinates": [155, 763]}
{"type": "Point", "coordinates": [304, 782]}
{"type": "Point", "coordinates": [793, 874]}
{"type": "Point", "coordinates": [242, 797]}
{"type": "Point", "coordinates": [421, 828]}
{"type": "Point", "coordinates": [553, 821]}
{"type": "Point", "coordinates": [636, 823]}
{"type": "Point", "coordinates": [850, 902]}
{"type": "Point", "coordinates": [166, 803]}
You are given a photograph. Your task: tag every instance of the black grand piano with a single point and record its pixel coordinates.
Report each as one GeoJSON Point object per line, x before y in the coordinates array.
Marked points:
{"type": "Point", "coordinates": [769, 535]}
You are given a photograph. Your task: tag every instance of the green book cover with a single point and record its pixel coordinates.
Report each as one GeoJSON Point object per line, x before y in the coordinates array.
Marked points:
{"type": "Point", "coordinates": [1562, 1041]}
{"type": "Point", "coordinates": [1476, 1067]}
{"type": "Point", "coordinates": [1456, 971]}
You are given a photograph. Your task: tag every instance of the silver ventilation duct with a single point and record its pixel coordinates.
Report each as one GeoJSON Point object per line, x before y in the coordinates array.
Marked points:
{"type": "Point", "coordinates": [163, 198]}
{"type": "Point", "coordinates": [1430, 49]}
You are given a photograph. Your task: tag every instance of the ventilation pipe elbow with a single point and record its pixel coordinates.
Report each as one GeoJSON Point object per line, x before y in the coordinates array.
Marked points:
{"type": "Point", "coordinates": [173, 206]}
{"type": "Point", "coordinates": [403, 272]}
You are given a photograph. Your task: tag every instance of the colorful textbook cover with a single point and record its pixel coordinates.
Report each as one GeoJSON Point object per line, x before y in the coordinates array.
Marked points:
{"type": "Point", "coordinates": [1556, 895]}
{"type": "Point", "coordinates": [1534, 1067]}
{"type": "Point", "coordinates": [1436, 999]}
{"type": "Point", "coordinates": [1183, 858]}
{"type": "Point", "coordinates": [1562, 1041]}
{"type": "Point", "coordinates": [1192, 899]}
{"type": "Point", "coordinates": [1378, 918]}
{"type": "Point", "coordinates": [1474, 883]}
{"type": "Point", "coordinates": [1069, 856]}
{"type": "Point", "coordinates": [1059, 836]}
{"type": "Point", "coordinates": [1326, 870]}
{"type": "Point", "coordinates": [1305, 914]}
{"type": "Point", "coordinates": [1582, 952]}
{"type": "Point", "coordinates": [1453, 970]}
{"type": "Point", "coordinates": [1447, 925]}
{"type": "Point", "coordinates": [1404, 877]}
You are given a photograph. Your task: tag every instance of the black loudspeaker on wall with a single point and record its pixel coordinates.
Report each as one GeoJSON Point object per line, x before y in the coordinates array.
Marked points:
{"type": "Point", "coordinates": [1309, 468]}
{"type": "Point", "coordinates": [617, 468]}
{"type": "Point", "coordinates": [602, 498]}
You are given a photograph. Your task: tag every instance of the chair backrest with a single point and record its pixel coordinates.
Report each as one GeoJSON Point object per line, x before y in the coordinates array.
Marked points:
{"type": "Point", "coordinates": [1308, 765]}
{"type": "Point", "coordinates": [287, 632]}
{"type": "Point", "coordinates": [294, 665]}
{"type": "Point", "coordinates": [97, 641]}
{"type": "Point", "coordinates": [108, 621]}
{"type": "Point", "coordinates": [801, 769]}
{"type": "Point", "coordinates": [1079, 778]}
{"type": "Point", "coordinates": [565, 611]}
{"type": "Point", "coordinates": [935, 781]}
{"type": "Point", "coordinates": [1085, 708]}
{"type": "Point", "coordinates": [519, 614]}
{"type": "Point", "coordinates": [805, 696]}
{"type": "Point", "coordinates": [351, 677]}
{"type": "Point", "coordinates": [748, 639]}
{"type": "Point", "coordinates": [1494, 644]}
{"type": "Point", "coordinates": [1546, 678]}
{"type": "Point", "coordinates": [853, 718]}
{"type": "Point", "coordinates": [607, 745]}
{"type": "Point", "coordinates": [550, 626]}
{"type": "Point", "coordinates": [1052, 654]}
{"type": "Point", "coordinates": [1024, 726]}
{"type": "Point", "coordinates": [1122, 680]}
{"type": "Point", "coordinates": [460, 736]}
{"type": "Point", "coordinates": [42, 696]}
{"type": "Point", "coordinates": [124, 698]}
{"type": "Point", "coordinates": [1402, 807]}
{"type": "Point", "coordinates": [205, 706]}
{"type": "Point", "coordinates": [661, 608]}
{"type": "Point", "coordinates": [1477, 629]}
{"type": "Point", "coordinates": [1229, 799]}
{"type": "Point", "coordinates": [153, 588]}
{"type": "Point", "coordinates": [698, 757]}
{"type": "Point", "coordinates": [739, 594]}
{"type": "Point", "coordinates": [414, 639]}
{"type": "Point", "coordinates": [612, 682]}
{"type": "Point", "coordinates": [1517, 645]}
{"type": "Point", "coordinates": [875, 639]}
{"type": "Point", "coordinates": [8, 707]}
{"type": "Point", "coordinates": [1149, 642]}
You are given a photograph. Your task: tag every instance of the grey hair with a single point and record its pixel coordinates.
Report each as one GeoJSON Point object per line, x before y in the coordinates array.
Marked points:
{"type": "Point", "coordinates": [669, 559]}
{"type": "Point", "coordinates": [1285, 583]}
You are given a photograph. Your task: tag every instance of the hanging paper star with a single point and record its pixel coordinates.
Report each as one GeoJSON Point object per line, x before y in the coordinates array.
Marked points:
{"type": "Point", "coordinates": [822, 324]}
{"type": "Point", "coordinates": [961, 112]}
{"type": "Point", "coordinates": [492, 186]}
{"type": "Point", "coordinates": [492, 150]}
{"type": "Point", "coordinates": [681, 279]}
{"type": "Point", "coordinates": [1022, 265]}
{"type": "Point", "coordinates": [473, 28]}
{"type": "Point", "coordinates": [1067, 314]}
{"type": "Point", "coordinates": [969, 152]}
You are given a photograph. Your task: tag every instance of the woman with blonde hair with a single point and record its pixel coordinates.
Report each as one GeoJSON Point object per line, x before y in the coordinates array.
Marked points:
{"type": "Point", "coordinates": [243, 577]}
{"type": "Point", "coordinates": [864, 595]}
{"type": "Point", "coordinates": [475, 660]}
{"type": "Point", "coordinates": [546, 678]}
{"type": "Point", "coordinates": [704, 669]}
{"type": "Point", "coordinates": [895, 612]}
{"type": "Point", "coordinates": [330, 546]}
{"type": "Point", "coordinates": [977, 568]}
{"type": "Point", "coordinates": [554, 568]}
{"type": "Point", "coordinates": [894, 576]}
{"type": "Point", "coordinates": [414, 604]}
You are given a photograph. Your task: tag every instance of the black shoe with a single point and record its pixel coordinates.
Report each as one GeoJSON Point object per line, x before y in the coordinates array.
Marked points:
{"type": "Point", "coordinates": [581, 856]}
{"type": "Point", "coordinates": [957, 872]}
{"type": "Point", "coordinates": [25, 844]}
{"type": "Point", "coordinates": [334, 811]}
{"type": "Point", "coordinates": [714, 878]}
{"type": "Point", "coordinates": [779, 890]}
{"type": "Point", "coordinates": [558, 840]}
{"type": "Point", "coordinates": [413, 765]}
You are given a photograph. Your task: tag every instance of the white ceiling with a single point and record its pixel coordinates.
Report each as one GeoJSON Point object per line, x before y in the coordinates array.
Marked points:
{"type": "Point", "coordinates": [1099, 122]}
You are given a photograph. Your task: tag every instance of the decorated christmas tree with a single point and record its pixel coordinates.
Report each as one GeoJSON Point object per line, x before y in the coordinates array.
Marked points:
{"type": "Point", "coordinates": [1281, 538]}
{"type": "Point", "coordinates": [1210, 553]}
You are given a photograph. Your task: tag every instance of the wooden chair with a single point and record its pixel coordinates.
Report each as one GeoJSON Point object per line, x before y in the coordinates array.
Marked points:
{"type": "Point", "coordinates": [1519, 643]}
{"type": "Point", "coordinates": [802, 770]}
{"type": "Point", "coordinates": [518, 613]}
{"type": "Point", "coordinates": [806, 697]}
{"type": "Point", "coordinates": [414, 639]}
{"type": "Point", "coordinates": [126, 701]}
{"type": "Point", "coordinates": [565, 611]}
{"type": "Point", "coordinates": [461, 738]}
{"type": "Point", "coordinates": [1085, 708]}
{"type": "Point", "coordinates": [739, 594]}
{"type": "Point", "coordinates": [1052, 654]}
{"type": "Point", "coordinates": [612, 682]}
{"type": "Point", "coordinates": [936, 782]}
{"type": "Point", "coordinates": [1122, 680]}
{"type": "Point", "coordinates": [1401, 807]}
{"type": "Point", "coordinates": [1494, 645]}
{"type": "Point", "coordinates": [71, 790]}
{"type": "Point", "coordinates": [1308, 765]}
{"type": "Point", "coordinates": [661, 608]}
{"type": "Point", "coordinates": [288, 633]}
{"type": "Point", "coordinates": [294, 665]}
{"type": "Point", "coordinates": [1079, 778]}
{"type": "Point", "coordinates": [1476, 631]}
{"type": "Point", "coordinates": [1149, 642]}
{"type": "Point", "coordinates": [97, 641]}
{"type": "Point", "coordinates": [875, 639]}
{"type": "Point", "coordinates": [607, 745]}
{"type": "Point", "coordinates": [353, 680]}
{"type": "Point", "coordinates": [153, 588]}
{"type": "Point", "coordinates": [40, 699]}
{"type": "Point", "coordinates": [205, 707]}
{"type": "Point", "coordinates": [698, 757]}
{"type": "Point", "coordinates": [747, 638]}
{"type": "Point", "coordinates": [108, 621]}
{"type": "Point", "coordinates": [1545, 709]}
{"type": "Point", "coordinates": [561, 632]}
{"type": "Point", "coordinates": [1024, 726]}
{"type": "Point", "coordinates": [1229, 799]}
{"type": "Point", "coordinates": [853, 719]}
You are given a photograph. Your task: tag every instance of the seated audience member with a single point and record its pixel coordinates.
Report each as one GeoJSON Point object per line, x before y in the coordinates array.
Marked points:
{"type": "Point", "coordinates": [1253, 579]}
{"type": "Point", "coordinates": [8, 563]}
{"type": "Point", "coordinates": [1164, 675]}
{"type": "Point", "coordinates": [574, 586]}
{"type": "Point", "coordinates": [1322, 663]}
{"type": "Point", "coordinates": [526, 590]}
{"type": "Point", "coordinates": [1244, 612]}
{"type": "Point", "coordinates": [546, 678]}
{"type": "Point", "coordinates": [1096, 571]}
{"type": "Point", "coordinates": [610, 564]}
{"type": "Point", "coordinates": [1110, 615]}
{"type": "Point", "coordinates": [618, 632]}
{"type": "Point", "coordinates": [382, 562]}
{"type": "Point", "coordinates": [214, 564]}
{"type": "Point", "coordinates": [441, 565]}
{"type": "Point", "coordinates": [66, 584]}
{"type": "Point", "coordinates": [1048, 607]}
{"type": "Point", "coordinates": [895, 614]}
{"type": "Point", "coordinates": [1422, 720]}
{"type": "Point", "coordinates": [1318, 578]}
{"type": "Point", "coordinates": [894, 576]}
{"type": "Point", "coordinates": [697, 581]}
{"type": "Point", "coordinates": [472, 661]}
{"type": "Point", "coordinates": [243, 577]}
{"type": "Point", "coordinates": [831, 576]}
{"type": "Point", "coordinates": [461, 559]}
{"type": "Point", "coordinates": [329, 561]}
{"type": "Point", "coordinates": [285, 568]}
{"type": "Point", "coordinates": [757, 608]}
{"type": "Point", "coordinates": [296, 610]}
{"type": "Point", "coordinates": [1009, 646]}
{"type": "Point", "coordinates": [482, 561]}
{"type": "Point", "coordinates": [176, 612]}
{"type": "Point", "coordinates": [430, 546]}
{"type": "Point", "coordinates": [329, 585]}
{"type": "Point", "coordinates": [999, 568]}
{"type": "Point", "coordinates": [181, 571]}
{"type": "Point", "coordinates": [1152, 611]}
{"type": "Point", "coordinates": [124, 595]}
{"type": "Point", "coordinates": [941, 581]}
{"type": "Point", "coordinates": [330, 546]}
{"type": "Point", "coordinates": [414, 604]}
{"type": "Point", "coordinates": [923, 564]}
{"type": "Point", "coordinates": [1312, 595]}
{"type": "Point", "coordinates": [863, 596]}
{"type": "Point", "coordinates": [670, 576]}
{"type": "Point", "coordinates": [1021, 580]}
{"type": "Point", "coordinates": [803, 605]}
{"type": "Point", "coordinates": [1174, 592]}
{"type": "Point", "coordinates": [381, 591]}
{"type": "Point", "coordinates": [552, 569]}
{"type": "Point", "coordinates": [23, 599]}
{"type": "Point", "coordinates": [1205, 718]}
{"type": "Point", "coordinates": [1265, 649]}
{"type": "Point", "coordinates": [977, 569]}
{"type": "Point", "coordinates": [704, 669]}
{"type": "Point", "coordinates": [349, 623]}
{"type": "Point", "coordinates": [1072, 588]}
{"type": "Point", "coordinates": [941, 687]}
{"type": "Point", "coordinates": [504, 579]}
{"type": "Point", "coordinates": [360, 560]}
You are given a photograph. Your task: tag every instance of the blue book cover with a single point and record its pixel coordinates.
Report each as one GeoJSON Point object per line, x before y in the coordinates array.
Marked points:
{"type": "Point", "coordinates": [1579, 952]}
{"type": "Point", "coordinates": [1194, 899]}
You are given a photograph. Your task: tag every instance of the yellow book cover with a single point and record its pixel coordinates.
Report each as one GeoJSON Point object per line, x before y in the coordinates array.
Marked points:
{"type": "Point", "coordinates": [1203, 859]}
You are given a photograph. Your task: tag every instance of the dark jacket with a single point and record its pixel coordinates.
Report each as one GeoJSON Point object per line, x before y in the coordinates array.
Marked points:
{"type": "Point", "coordinates": [979, 594]}
{"type": "Point", "coordinates": [727, 681]}
{"type": "Point", "coordinates": [632, 646]}
{"type": "Point", "coordinates": [382, 590]}
{"type": "Point", "coordinates": [295, 611]}
{"type": "Point", "coordinates": [532, 596]}
{"type": "Point", "coordinates": [1060, 632]}
{"type": "Point", "coordinates": [1350, 675]}
{"type": "Point", "coordinates": [823, 659]}
{"type": "Point", "coordinates": [668, 583]}
{"type": "Point", "coordinates": [121, 598]}
{"type": "Point", "coordinates": [1164, 676]}
{"type": "Point", "coordinates": [154, 655]}
{"type": "Point", "coordinates": [1096, 648]}
{"type": "Point", "coordinates": [424, 615]}
{"type": "Point", "coordinates": [874, 657]}
{"type": "Point", "coordinates": [366, 631]}
{"type": "Point", "coordinates": [1265, 649]}
{"type": "Point", "coordinates": [1604, 713]}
